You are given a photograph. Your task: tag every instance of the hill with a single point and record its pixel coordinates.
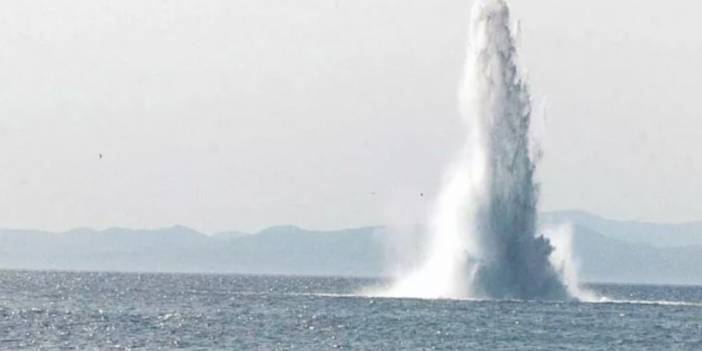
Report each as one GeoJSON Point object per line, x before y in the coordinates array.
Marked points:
{"type": "Point", "coordinates": [608, 250]}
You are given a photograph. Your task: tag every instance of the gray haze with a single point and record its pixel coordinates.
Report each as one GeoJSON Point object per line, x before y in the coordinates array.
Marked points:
{"type": "Point", "coordinates": [242, 114]}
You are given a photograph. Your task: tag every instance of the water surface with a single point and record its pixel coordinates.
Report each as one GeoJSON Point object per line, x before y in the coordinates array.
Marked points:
{"type": "Point", "coordinates": [127, 311]}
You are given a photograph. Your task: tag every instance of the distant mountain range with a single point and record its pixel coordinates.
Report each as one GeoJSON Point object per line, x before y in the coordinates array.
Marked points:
{"type": "Point", "coordinates": [608, 250]}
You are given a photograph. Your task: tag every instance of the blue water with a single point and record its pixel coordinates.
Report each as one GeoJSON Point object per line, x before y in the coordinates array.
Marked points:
{"type": "Point", "coordinates": [54, 310]}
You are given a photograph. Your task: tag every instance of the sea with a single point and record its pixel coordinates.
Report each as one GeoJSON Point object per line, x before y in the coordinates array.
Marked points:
{"type": "Point", "coordinates": [140, 311]}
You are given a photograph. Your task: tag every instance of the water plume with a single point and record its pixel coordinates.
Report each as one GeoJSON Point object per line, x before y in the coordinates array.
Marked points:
{"type": "Point", "coordinates": [483, 227]}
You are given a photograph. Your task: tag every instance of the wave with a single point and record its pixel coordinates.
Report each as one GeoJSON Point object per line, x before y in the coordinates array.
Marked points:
{"type": "Point", "coordinates": [601, 300]}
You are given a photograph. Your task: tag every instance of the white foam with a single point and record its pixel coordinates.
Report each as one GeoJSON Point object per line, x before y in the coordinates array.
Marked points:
{"type": "Point", "coordinates": [378, 294]}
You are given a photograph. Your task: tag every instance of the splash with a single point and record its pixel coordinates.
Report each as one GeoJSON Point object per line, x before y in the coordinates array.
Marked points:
{"type": "Point", "coordinates": [565, 262]}
{"type": "Point", "coordinates": [484, 242]}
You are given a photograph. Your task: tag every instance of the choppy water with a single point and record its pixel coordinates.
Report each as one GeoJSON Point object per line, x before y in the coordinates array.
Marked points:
{"type": "Point", "coordinates": [52, 310]}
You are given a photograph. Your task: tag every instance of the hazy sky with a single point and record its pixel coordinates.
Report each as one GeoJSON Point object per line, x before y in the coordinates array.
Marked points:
{"type": "Point", "coordinates": [248, 113]}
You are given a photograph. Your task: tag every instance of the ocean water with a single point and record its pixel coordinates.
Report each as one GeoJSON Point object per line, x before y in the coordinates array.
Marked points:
{"type": "Point", "coordinates": [128, 311]}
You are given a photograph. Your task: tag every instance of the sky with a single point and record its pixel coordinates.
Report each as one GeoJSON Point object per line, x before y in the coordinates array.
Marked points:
{"type": "Point", "coordinates": [239, 115]}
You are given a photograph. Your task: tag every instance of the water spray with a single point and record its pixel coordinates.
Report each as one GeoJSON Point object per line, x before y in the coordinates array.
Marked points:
{"type": "Point", "coordinates": [484, 241]}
